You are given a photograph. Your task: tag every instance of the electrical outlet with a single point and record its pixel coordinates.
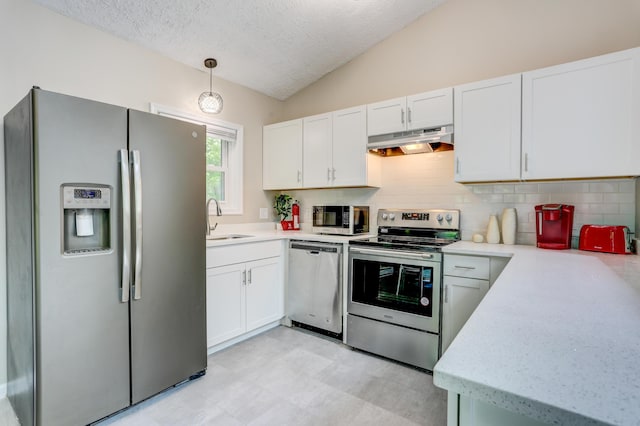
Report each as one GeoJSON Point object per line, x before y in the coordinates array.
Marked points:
{"type": "Point", "coordinates": [264, 213]}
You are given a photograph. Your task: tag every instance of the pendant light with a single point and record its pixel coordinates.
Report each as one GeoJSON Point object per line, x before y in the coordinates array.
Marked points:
{"type": "Point", "coordinates": [210, 101]}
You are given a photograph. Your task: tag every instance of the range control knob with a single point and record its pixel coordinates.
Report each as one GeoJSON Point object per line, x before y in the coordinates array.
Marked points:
{"type": "Point", "coordinates": [392, 216]}
{"type": "Point", "coordinates": [439, 217]}
{"type": "Point", "coordinates": [384, 216]}
{"type": "Point", "coordinates": [448, 217]}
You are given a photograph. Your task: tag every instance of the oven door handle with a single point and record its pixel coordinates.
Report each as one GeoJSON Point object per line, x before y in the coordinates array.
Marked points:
{"type": "Point", "coordinates": [403, 254]}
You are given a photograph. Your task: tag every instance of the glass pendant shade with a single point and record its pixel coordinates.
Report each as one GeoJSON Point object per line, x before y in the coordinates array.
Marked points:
{"type": "Point", "coordinates": [210, 102]}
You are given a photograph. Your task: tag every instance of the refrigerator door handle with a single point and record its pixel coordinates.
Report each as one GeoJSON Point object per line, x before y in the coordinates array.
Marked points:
{"type": "Point", "coordinates": [126, 225]}
{"type": "Point", "coordinates": [137, 200]}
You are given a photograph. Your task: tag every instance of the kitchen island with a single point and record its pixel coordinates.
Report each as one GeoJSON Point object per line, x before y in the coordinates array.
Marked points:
{"type": "Point", "coordinates": [555, 340]}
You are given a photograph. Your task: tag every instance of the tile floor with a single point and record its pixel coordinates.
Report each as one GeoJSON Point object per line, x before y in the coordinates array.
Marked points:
{"type": "Point", "coordinates": [292, 377]}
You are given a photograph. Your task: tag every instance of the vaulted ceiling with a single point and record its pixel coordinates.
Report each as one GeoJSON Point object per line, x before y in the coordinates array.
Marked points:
{"type": "Point", "coordinates": [276, 47]}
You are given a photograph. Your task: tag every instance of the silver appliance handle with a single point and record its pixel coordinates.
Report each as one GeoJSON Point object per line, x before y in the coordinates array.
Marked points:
{"type": "Point", "coordinates": [540, 223]}
{"type": "Point", "coordinates": [126, 225]}
{"type": "Point", "coordinates": [313, 247]}
{"type": "Point", "coordinates": [137, 200]}
{"type": "Point", "coordinates": [403, 254]}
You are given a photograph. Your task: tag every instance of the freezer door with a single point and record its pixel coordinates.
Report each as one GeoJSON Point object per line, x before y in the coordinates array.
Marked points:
{"type": "Point", "coordinates": [82, 339]}
{"type": "Point", "coordinates": [168, 335]}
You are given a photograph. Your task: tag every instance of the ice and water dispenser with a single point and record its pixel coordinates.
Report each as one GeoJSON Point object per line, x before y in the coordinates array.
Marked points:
{"type": "Point", "coordinates": [87, 218]}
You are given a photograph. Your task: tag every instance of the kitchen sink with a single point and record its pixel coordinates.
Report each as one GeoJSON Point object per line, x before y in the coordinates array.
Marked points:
{"type": "Point", "coordinates": [227, 236]}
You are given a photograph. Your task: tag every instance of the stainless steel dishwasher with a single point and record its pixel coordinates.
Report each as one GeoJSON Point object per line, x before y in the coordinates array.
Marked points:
{"type": "Point", "coordinates": [315, 285]}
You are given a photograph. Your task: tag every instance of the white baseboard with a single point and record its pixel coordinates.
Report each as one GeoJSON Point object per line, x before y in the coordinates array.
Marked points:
{"type": "Point", "coordinates": [231, 342]}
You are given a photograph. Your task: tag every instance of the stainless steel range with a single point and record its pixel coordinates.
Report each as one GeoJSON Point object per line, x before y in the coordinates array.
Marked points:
{"type": "Point", "coordinates": [395, 285]}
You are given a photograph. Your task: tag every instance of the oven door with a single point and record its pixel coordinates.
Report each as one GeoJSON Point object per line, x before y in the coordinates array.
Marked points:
{"type": "Point", "coordinates": [395, 286]}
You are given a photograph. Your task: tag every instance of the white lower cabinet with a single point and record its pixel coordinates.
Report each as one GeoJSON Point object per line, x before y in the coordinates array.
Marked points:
{"type": "Point", "coordinates": [462, 296]}
{"type": "Point", "coordinates": [226, 316]}
{"type": "Point", "coordinates": [465, 411]}
{"type": "Point", "coordinates": [245, 294]}
{"type": "Point", "coordinates": [264, 292]}
{"type": "Point", "coordinates": [466, 281]}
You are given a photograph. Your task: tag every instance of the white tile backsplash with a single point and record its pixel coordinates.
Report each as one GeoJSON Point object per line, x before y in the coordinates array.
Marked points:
{"type": "Point", "coordinates": [425, 181]}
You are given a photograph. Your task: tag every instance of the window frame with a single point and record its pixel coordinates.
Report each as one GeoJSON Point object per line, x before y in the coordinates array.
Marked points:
{"type": "Point", "coordinates": [233, 205]}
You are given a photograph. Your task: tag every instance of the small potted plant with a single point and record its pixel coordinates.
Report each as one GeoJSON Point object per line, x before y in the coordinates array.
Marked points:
{"type": "Point", "coordinates": [283, 204]}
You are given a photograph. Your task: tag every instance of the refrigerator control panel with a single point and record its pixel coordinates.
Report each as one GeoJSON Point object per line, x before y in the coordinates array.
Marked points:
{"type": "Point", "coordinates": [86, 197]}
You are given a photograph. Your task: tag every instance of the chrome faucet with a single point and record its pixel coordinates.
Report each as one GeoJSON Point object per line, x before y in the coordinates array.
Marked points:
{"type": "Point", "coordinates": [218, 213]}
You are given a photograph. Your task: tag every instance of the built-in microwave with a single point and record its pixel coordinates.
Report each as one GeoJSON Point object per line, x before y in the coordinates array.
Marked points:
{"type": "Point", "coordinates": [343, 220]}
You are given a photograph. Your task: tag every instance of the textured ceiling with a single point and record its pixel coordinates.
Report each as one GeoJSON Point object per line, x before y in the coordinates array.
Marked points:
{"type": "Point", "coordinates": [276, 47]}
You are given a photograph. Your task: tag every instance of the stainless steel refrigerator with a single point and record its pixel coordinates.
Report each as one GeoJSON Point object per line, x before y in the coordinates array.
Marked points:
{"type": "Point", "coordinates": [105, 257]}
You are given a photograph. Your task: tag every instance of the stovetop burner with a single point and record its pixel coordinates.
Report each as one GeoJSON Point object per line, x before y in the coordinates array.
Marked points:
{"type": "Point", "coordinates": [414, 230]}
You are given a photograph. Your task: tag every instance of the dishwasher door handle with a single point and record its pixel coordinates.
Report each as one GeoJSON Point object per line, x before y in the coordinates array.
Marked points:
{"type": "Point", "coordinates": [316, 249]}
{"type": "Point", "coordinates": [313, 253]}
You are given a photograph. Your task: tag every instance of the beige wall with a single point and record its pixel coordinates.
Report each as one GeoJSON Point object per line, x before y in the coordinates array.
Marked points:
{"type": "Point", "coordinates": [41, 48]}
{"type": "Point", "coordinates": [470, 40]}
{"type": "Point", "coordinates": [45, 49]}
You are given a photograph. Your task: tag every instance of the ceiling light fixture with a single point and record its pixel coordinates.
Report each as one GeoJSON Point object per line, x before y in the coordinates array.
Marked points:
{"type": "Point", "coordinates": [210, 102]}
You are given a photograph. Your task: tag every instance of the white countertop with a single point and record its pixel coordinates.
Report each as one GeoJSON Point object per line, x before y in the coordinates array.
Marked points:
{"type": "Point", "coordinates": [256, 235]}
{"type": "Point", "coordinates": [556, 338]}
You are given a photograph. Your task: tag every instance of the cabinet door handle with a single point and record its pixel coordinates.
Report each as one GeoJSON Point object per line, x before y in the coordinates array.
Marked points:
{"type": "Point", "coordinates": [244, 277]}
{"type": "Point", "coordinates": [446, 294]}
{"type": "Point", "coordinates": [249, 279]}
{"type": "Point", "coordinates": [408, 115]}
{"type": "Point", "coordinates": [299, 176]}
{"type": "Point", "coordinates": [464, 267]}
{"type": "Point", "coordinates": [402, 115]}
{"type": "Point", "coordinates": [333, 174]}
{"type": "Point", "coordinates": [457, 166]}
{"type": "Point", "coordinates": [526, 162]}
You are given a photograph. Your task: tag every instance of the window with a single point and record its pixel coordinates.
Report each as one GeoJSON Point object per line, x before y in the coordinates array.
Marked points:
{"type": "Point", "coordinates": [217, 167]}
{"type": "Point", "coordinates": [223, 158]}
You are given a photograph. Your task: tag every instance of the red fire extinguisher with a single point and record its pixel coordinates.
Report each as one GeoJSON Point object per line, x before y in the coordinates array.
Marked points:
{"type": "Point", "coordinates": [295, 211]}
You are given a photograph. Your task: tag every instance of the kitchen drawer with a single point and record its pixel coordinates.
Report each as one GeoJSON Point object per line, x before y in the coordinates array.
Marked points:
{"type": "Point", "coordinates": [239, 253]}
{"type": "Point", "coordinates": [467, 266]}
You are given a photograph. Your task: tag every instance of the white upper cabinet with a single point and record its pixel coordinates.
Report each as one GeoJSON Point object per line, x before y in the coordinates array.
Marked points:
{"type": "Point", "coordinates": [320, 151]}
{"type": "Point", "coordinates": [335, 150]}
{"type": "Point", "coordinates": [582, 119]}
{"type": "Point", "coordinates": [487, 130]}
{"type": "Point", "coordinates": [352, 164]}
{"type": "Point", "coordinates": [429, 109]}
{"type": "Point", "coordinates": [387, 116]}
{"type": "Point", "coordinates": [317, 150]}
{"type": "Point", "coordinates": [282, 155]}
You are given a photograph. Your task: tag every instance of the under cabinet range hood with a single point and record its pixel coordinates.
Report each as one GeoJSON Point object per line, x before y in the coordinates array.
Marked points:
{"type": "Point", "coordinates": [412, 141]}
